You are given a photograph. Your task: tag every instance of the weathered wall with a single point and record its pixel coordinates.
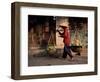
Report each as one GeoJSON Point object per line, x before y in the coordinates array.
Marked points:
{"type": "Point", "coordinates": [60, 21]}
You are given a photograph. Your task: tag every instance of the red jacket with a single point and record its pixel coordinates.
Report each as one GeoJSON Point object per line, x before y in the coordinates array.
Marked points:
{"type": "Point", "coordinates": [66, 37]}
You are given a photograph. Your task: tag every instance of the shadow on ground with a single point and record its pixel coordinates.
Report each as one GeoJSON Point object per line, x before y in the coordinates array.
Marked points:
{"type": "Point", "coordinates": [47, 60]}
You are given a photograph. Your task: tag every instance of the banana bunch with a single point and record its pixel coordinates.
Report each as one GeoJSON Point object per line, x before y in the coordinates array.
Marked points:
{"type": "Point", "coordinates": [51, 49]}
{"type": "Point", "coordinates": [76, 42]}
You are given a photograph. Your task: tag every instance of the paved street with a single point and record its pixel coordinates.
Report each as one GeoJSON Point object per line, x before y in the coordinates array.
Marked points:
{"type": "Point", "coordinates": [45, 60]}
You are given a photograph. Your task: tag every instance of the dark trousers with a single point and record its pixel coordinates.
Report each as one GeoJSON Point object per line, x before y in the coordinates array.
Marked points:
{"type": "Point", "coordinates": [67, 51]}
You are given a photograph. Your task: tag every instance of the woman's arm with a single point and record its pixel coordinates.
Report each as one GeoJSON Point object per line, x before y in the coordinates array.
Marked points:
{"type": "Point", "coordinates": [60, 33]}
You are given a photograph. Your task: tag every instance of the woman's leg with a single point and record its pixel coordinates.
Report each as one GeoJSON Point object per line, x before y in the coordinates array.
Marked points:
{"type": "Point", "coordinates": [64, 53]}
{"type": "Point", "coordinates": [68, 51]}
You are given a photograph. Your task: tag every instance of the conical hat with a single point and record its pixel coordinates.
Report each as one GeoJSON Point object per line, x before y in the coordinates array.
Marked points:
{"type": "Point", "coordinates": [63, 25]}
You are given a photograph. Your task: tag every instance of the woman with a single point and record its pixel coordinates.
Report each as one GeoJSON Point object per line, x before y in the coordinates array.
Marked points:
{"type": "Point", "coordinates": [66, 39]}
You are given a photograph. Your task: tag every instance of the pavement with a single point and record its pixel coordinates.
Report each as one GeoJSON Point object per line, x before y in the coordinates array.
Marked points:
{"type": "Point", "coordinates": [47, 60]}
